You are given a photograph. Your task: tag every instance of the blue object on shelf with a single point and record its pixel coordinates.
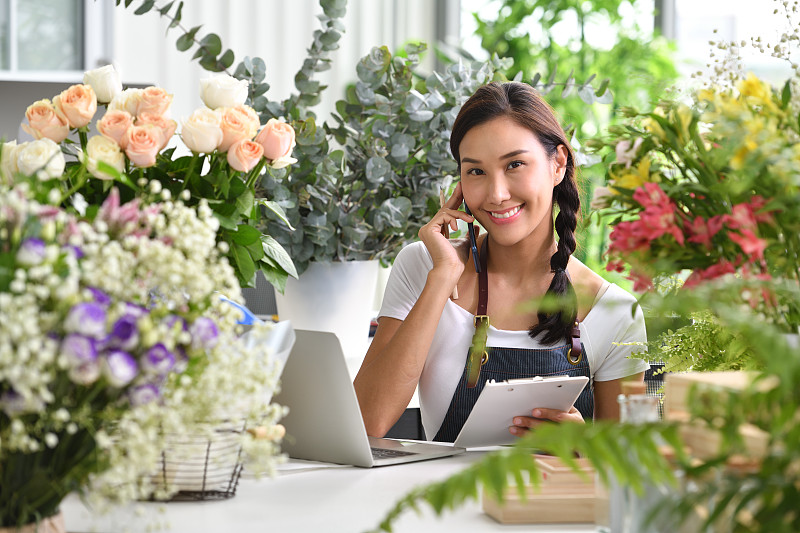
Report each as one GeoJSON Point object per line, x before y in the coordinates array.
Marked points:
{"type": "Point", "coordinates": [249, 318]}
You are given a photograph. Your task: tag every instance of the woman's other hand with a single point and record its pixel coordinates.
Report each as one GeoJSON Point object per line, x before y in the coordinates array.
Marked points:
{"type": "Point", "coordinates": [540, 415]}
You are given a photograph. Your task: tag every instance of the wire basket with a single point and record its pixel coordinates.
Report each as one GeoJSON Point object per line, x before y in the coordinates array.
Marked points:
{"type": "Point", "coordinates": [202, 467]}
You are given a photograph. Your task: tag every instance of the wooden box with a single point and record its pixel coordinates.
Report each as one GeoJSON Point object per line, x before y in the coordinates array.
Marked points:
{"type": "Point", "coordinates": [563, 496]}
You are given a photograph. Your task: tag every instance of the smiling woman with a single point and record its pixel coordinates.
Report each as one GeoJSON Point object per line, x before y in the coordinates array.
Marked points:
{"type": "Point", "coordinates": [517, 170]}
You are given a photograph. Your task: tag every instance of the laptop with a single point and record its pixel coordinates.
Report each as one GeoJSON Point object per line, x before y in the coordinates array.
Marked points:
{"type": "Point", "coordinates": [324, 421]}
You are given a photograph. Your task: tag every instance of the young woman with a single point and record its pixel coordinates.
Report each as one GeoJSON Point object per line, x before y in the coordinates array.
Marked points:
{"type": "Point", "coordinates": [516, 166]}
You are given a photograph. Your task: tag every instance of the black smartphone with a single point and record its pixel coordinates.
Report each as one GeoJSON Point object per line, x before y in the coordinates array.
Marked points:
{"type": "Point", "coordinates": [472, 242]}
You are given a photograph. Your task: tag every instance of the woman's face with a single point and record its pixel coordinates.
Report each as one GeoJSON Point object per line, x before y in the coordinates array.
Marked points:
{"type": "Point", "coordinates": [507, 179]}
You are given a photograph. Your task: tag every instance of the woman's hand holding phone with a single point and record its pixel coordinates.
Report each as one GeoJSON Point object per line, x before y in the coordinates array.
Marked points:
{"type": "Point", "coordinates": [447, 259]}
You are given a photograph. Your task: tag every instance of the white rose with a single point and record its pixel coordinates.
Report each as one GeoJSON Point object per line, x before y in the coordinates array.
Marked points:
{"type": "Point", "coordinates": [103, 149]}
{"type": "Point", "coordinates": [8, 162]}
{"type": "Point", "coordinates": [128, 100]}
{"type": "Point", "coordinates": [105, 81]}
{"type": "Point", "coordinates": [223, 91]}
{"type": "Point", "coordinates": [201, 132]}
{"type": "Point", "coordinates": [42, 158]}
{"type": "Point", "coordinates": [601, 198]}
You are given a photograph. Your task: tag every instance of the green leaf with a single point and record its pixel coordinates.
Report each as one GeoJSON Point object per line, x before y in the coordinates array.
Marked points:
{"type": "Point", "coordinates": [164, 10]}
{"type": "Point", "coordinates": [245, 267]}
{"type": "Point", "coordinates": [274, 250]}
{"type": "Point", "coordinates": [274, 275]}
{"type": "Point", "coordinates": [146, 6]}
{"type": "Point", "coordinates": [212, 44]}
{"type": "Point", "coordinates": [786, 93]}
{"type": "Point", "coordinates": [377, 170]}
{"type": "Point", "coordinates": [245, 235]}
{"type": "Point", "coordinates": [177, 18]}
{"type": "Point", "coordinates": [277, 210]}
{"type": "Point", "coordinates": [226, 60]}
{"type": "Point", "coordinates": [186, 40]}
{"type": "Point", "coordinates": [603, 86]}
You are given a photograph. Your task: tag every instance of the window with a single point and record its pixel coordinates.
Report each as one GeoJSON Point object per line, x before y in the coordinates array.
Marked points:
{"type": "Point", "coordinates": [51, 35]}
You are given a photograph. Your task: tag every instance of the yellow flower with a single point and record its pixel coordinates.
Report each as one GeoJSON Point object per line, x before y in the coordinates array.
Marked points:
{"type": "Point", "coordinates": [634, 178]}
{"type": "Point", "coordinates": [682, 116]}
{"type": "Point", "coordinates": [755, 91]}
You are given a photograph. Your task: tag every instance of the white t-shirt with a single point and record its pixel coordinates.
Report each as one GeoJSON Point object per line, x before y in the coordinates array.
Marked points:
{"type": "Point", "coordinates": [604, 334]}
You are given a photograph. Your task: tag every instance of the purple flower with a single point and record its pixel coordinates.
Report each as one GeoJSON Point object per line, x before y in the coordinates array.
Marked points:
{"type": "Point", "coordinates": [79, 349]}
{"type": "Point", "coordinates": [144, 394]}
{"type": "Point", "coordinates": [99, 296]}
{"type": "Point", "coordinates": [75, 250]}
{"type": "Point", "coordinates": [124, 333]}
{"type": "Point", "coordinates": [13, 404]}
{"type": "Point", "coordinates": [171, 320]}
{"type": "Point", "coordinates": [31, 252]}
{"type": "Point", "coordinates": [133, 310]}
{"type": "Point", "coordinates": [158, 360]}
{"type": "Point", "coordinates": [119, 368]}
{"type": "Point", "coordinates": [204, 333]}
{"type": "Point", "coordinates": [88, 319]}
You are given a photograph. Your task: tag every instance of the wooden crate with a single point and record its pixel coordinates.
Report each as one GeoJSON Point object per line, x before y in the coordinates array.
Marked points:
{"type": "Point", "coordinates": [563, 496]}
{"type": "Point", "coordinates": [703, 441]}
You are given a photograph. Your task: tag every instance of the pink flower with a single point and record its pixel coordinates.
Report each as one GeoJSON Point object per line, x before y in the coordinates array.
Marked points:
{"type": "Point", "coordinates": [114, 125]}
{"type": "Point", "coordinates": [143, 144]}
{"type": "Point", "coordinates": [701, 230]}
{"type": "Point", "coordinates": [641, 282]}
{"type": "Point", "coordinates": [714, 271]}
{"type": "Point", "coordinates": [749, 243]}
{"type": "Point", "coordinates": [166, 126]}
{"type": "Point", "coordinates": [244, 155]}
{"type": "Point", "coordinates": [44, 122]}
{"type": "Point", "coordinates": [153, 100]}
{"type": "Point", "coordinates": [77, 105]}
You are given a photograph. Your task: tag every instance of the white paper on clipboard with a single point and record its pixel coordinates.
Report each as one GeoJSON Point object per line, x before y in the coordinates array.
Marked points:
{"type": "Point", "coordinates": [500, 402]}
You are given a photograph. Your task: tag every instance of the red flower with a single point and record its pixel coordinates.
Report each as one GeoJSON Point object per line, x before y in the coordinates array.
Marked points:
{"type": "Point", "coordinates": [712, 272]}
{"type": "Point", "coordinates": [749, 243]}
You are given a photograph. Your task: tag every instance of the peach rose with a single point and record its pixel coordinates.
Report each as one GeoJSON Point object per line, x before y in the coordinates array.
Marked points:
{"type": "Point", "coordinates": [243, 155]}
{"type": "Point", "coordinates": [77, 105]}
{"type": "Point", "coordinates": [238, 122]}
{"type": "Point", "coordinates": [128, 100]}
{"type": "Point", "coordinates": [102, 149]}
{"type": "Point", "coordinates": [201, 132]}
{"type": "Point", "coordinates": [165, 125]}
{"type": "Point", "coordinates": [44, 122]}
{"type": "Point", "coordinates": [114, 125]}
{"type": "Point", "coordinates": [143, 144]}
{"type": "Point", "coordinates": [277, 138]}
{"type": "Point", "coordinates": [154, 100]}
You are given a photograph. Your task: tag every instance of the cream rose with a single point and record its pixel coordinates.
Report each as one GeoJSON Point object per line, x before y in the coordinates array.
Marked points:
{"type": "Point", "coordinates": [105, 81]}
{"type": "Point", "coordinates": [42, 158]}
{"type": "Point", "coordinates": [143, 144]}
{"type": "Point", "coordinates": [277, 138]}
{"type": "Point", "coordinates": [201, 132]}
{"type": "Point", "coordinates": [244, 155]}
{"type": "Point", "coordinates": [44, 122]}
{"type": "Point", "coordinates": [8, 162]}
{"type": "Point", "coordinates": [238, 123]}
{"type": "Point", "coordinates": [127, 100]}
{"type": "Point", "coordinates": [166, 126]}
{"type": "Point", "coordinates": [154, 100]}
{"type": "Point", "coordinates": [114, 125]}
{"type": "Point", "coordinates": [223, 91]}
{"type": "Point", "coordinates": [77, 105]}
{"type": "Point", "coordinates": [102, 149]}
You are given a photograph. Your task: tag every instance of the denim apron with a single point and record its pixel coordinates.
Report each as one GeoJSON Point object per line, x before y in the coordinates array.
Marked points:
{"type": "Point", "coordinates": [514, 363]}
{"type": "Point", "coordinates": [511, 363]}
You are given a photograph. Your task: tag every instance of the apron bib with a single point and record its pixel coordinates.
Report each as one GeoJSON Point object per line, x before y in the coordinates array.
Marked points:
{"type": "Point", "coordinates": [514, 363]}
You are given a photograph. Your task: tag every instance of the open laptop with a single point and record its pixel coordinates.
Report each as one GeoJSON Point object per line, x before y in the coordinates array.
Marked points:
{"type": "Point", "coordinates": [324, 421]}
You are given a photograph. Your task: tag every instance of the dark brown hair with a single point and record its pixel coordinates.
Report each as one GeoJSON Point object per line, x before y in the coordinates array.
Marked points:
{"type": "Point", "coordinates": [521, 103]}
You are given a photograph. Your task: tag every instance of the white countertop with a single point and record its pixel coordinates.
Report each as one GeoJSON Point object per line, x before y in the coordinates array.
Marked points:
{"type": "Point", "coordinates": [318, 499]}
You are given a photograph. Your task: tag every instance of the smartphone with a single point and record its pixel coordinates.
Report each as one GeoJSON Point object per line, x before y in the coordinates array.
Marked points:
{"type": "Point", "coordinates": [472, 242]}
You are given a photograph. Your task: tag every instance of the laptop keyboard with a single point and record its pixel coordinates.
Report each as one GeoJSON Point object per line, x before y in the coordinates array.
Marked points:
{"type": "Point", "coordinates": [383, 453]}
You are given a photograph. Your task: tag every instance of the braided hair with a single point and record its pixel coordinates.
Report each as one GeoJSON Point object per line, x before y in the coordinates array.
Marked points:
{"type": "Point", "coordinates": [521, 103]}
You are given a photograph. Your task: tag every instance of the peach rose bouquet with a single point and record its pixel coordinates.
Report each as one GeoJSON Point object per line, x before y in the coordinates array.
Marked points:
{"type": "Point", "coordinates": [96, 133]}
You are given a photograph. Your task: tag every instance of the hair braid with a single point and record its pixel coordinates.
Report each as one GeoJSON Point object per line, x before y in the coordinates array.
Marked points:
{"type": "Point", "coordinates": [558, 325]}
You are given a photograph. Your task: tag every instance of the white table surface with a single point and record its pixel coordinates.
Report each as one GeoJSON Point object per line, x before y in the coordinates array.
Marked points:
{"type": "Point", "coordinates": [316, 499]}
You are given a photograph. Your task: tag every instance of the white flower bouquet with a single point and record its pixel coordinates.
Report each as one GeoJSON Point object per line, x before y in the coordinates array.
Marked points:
{"type": "Point", "coordinates": [114, 338]}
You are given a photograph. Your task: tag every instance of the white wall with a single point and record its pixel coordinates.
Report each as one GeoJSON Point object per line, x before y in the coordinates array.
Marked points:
{"type": "Point", "coordinates": [278, 31]}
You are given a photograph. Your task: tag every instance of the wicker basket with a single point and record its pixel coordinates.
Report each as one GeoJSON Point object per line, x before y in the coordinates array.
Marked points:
{"type": "Point", "coordinates": [202, 467]}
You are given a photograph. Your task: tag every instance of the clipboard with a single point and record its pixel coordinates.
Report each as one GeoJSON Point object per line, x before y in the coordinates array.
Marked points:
{"type": "Point", "coordinates": [499, 402]}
